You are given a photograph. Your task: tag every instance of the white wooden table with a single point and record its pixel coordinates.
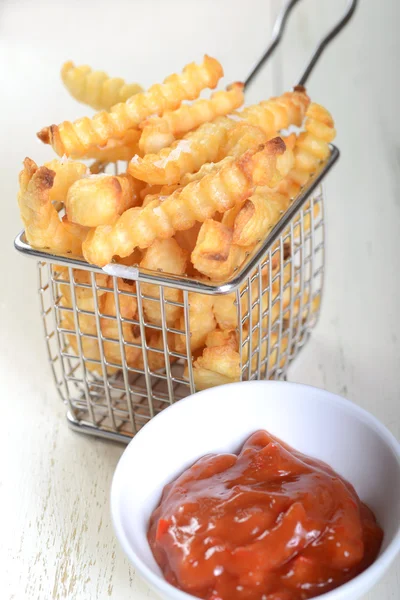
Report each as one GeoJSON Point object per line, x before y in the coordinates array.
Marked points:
{"type": "Point", "coordinates": [57, 539]}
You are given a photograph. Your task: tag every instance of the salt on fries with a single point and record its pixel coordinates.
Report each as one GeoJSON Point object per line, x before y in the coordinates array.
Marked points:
{"type": "Point", "coordinates": [205, 183]}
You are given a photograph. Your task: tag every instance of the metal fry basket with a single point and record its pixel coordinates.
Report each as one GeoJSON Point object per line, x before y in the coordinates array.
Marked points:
{"type": "Point", "coordinates": [115, 371]}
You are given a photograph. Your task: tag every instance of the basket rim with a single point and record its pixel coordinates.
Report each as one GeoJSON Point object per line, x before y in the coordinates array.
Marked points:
{"type": "Point", "coordinates": [188, 284]}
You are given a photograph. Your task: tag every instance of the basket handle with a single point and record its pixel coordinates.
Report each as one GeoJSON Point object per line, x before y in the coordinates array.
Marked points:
{"type": "Point", "coordinates": [277, 32]}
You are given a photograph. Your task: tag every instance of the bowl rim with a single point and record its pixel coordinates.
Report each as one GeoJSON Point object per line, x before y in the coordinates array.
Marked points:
{"type": "Point", "coordinates": [373, 572]}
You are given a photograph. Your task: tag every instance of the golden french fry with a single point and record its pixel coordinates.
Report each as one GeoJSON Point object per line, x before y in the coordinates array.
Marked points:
{"type": "Point", "coordinates": [198, 201]}
{"type": "Point", "coordinates": [220, 364]}
{"type": "Point", "coordinates": [207, 143]}
{"type": "Point", "coordinates": [96, 88]}
{"type": "Point", "coordinates": [110, 329]}
{"type": "Point", "coordinates": [311, 147]}
{"type": "Point", "coordinates": [87, 322]}
{"type": "Point", "coordinates": [76, 138]}
{"type": "Point", "coordinates": [160, 193]}
{"type": "Point", "coordinates": [214, 254]}
{"type": "Point", "coordinates": [225, 140]}
{"type": "Point", "coordinates": [277, 113]}
{"type": "Point", "coordinates": [226, 310]}
{"type": "Point", "coordinates": [67, 172]}
{"type": "Point", "coordinates": [155, 360]}
{"type": "Point", "coordinates": [201, 321]}
{"type": "Point", "coordinates": [163, 255]}
{"type": "Point", "coordinates": [43, 227]}
{"type": "Point", "coordinates": [159, 132]}
{"type": "Point", "coordinates": [100, 199]}
{"type": "Point", "coordinates": [115, 149]}
{"type": "Point", "coordinates": [242, 137]}
{"type": "Point", "coordinates": [183, 156]}
{"type": "Point", "coordinates": [187, 239]}
{"type": "Point", "coordinates": [258, 215]}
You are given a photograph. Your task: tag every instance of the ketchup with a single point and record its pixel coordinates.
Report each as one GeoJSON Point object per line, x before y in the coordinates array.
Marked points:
{"type": "Point", "coordinates": [268, 524]}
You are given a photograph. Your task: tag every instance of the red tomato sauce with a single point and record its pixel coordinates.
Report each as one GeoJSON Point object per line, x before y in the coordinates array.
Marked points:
{"type": "Point", "coordinates": [268, 524]}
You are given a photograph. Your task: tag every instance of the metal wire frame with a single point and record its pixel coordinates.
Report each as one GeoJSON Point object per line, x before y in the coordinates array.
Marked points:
{"type": "Point", "coordinates": [112, 395]}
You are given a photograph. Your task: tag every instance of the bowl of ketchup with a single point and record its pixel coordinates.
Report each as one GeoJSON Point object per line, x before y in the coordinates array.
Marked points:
{"type": "Point", "coordinates": [260, 491]}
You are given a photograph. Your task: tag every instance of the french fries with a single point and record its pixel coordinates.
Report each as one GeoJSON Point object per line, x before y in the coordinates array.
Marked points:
{"type": "Point", "coordinates": [220, 360]}
{"type": "Point", "coordinates": [139, 227]}
{"type": "Point", "coordinates": [43, 227]}
{"type": "Point", "coordinates": [159, 132]}
{"type": "Point", "coordinates": [115, 149]}
{"type": "Point", "coordinates": [163, 255]}
{"type": "Point", "coordinates": [76, 138]}
{"type": "Point", "coordinates": [205, 183]}
{"type": "Point", "coordinates": [100, 199]}
{"type": "Point", "coordinates": [96, 88]}
{"type": "Point", "coordinates": [214, 254]}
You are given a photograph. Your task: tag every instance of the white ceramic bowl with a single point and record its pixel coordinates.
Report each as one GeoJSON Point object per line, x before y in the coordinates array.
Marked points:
{"type": "Point", "coordinates": [313, 421]}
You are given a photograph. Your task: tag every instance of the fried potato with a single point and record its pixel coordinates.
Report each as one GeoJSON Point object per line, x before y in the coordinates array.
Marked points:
{"type": "Point", "coordinates": [154, 342]}
{"type": "Point", "coordinates": [160, 193]}
{"type": "Point", "coordinates": [43, 227]}
{"type": "Point", "coordinates": [159, 132]}
{"type": "Point", "coordinates": [83, 295]}
{"type": "Point", "coordinates": [66, 173]}
{"type": "Point", "coordinates": [207, 143]}
{"type": "Point", "coordinates": [84, 299]}
{"type": "Point", "coordinates": [198, 201]}
{"type": "Point", "coordinates": [115, 149]}
{"type": "Point", "coordinates": [100, 199]}
{"type": "Point", "coordinates": [311, 147]}
{"type": "Point", "coordinates": [90, 346]}
{"type": "Point", "coordinates": [277, 113]}
{"type": "Point", "coordinates": [201, 322]}
{"type": "Point", "coordinates": [87, 322]}
{"type": "Point", "coordinates": [96, 88]}
{"type": "Point", "coordinates": [214, 254]}
{"type": "Point", "coordinates": [185, 155]}
{"type": "Point", "coordinates": [190, 158]}
{"type": "Point", "coordinates": [242, 137]}
{"type": "Point", "coordinates": [258, 215]}
{"type": "Point", "coordinates": [110, 329]}
{"type": "Point", "coordinates": [226, 311]}
{"type": "Point", "coordinates": [187, 239]}
{"type": "Point", "coordinates": [220, 363]}
{"type": "Point", "coordinates": [77, 231]}
{"type": "Point", "coordinates": [76, 138]}
{"type": "Point", "coordinates": [163, 255]}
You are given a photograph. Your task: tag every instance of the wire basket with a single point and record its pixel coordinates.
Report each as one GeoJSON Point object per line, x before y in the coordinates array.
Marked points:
{"type": "Point", "coordinates": [116, 370]}
{"type": "Point", "coordinates": [115, 373]}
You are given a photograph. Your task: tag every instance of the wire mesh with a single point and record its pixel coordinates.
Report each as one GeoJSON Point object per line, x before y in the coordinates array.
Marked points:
{"type": "Point", "coordinates": [122, 350]}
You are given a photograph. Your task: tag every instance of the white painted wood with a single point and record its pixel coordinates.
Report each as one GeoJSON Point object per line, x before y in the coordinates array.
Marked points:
{"type": "Point", "coordinates": [57, 540]}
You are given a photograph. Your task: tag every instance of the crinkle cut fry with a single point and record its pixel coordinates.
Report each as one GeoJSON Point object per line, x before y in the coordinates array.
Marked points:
{"type": "Point", "coordinates": [220, 360]}
{"type": "Point", "coordinates": [217, 254]}
{"type": "Point", "coordinates": [277, 113]}
{"type": "Point", "coordinates": [258, 215]}
{"type": "Point", "coordinates": [76, 138]}
{"type": "Point", "coordinates": [43, 227]}
{"type": "Point", "coordinates": [198, 201]}
{"type": "Point", "coordinates": [100, 199]}
{"type": "Point", "coordinates": [214, 255]}
{"type": "Point", "coordinates": [201, 321]}
{"type": "Point", "coordinates": [96, 88]}
{"type": "Point", "coordinates": [263, 210]}
{"type": "Point", "coordinates": [164, 255]}
{"type": "Point", "coordinates": [159, 132]}
{"type": "Point", "coordinates": [122, 149]}
{"type": "Point", "coordinates": [310, 150]}
{"type": "Point", "coordinates": [67, 172]}
{"type": "Point", "coordinates": [208, 142]}
{"type": "Point", "coordinates": [311, 147]}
